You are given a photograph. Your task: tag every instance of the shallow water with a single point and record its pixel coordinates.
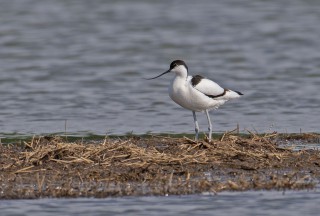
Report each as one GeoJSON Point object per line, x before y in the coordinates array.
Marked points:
{"type": "Point", "coordinates": [81, 64]}
{"type": "Point", "coordinates": [290, 203]}
{"type": "Point", "coordinates": [297, 145]}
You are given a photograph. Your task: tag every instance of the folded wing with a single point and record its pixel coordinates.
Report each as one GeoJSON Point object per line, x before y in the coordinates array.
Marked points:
{"type": "Point", "coordinates": [212, 89]}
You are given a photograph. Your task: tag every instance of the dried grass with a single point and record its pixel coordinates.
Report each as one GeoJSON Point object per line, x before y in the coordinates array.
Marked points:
{"type": "Point", "coordinates": [152, 166]}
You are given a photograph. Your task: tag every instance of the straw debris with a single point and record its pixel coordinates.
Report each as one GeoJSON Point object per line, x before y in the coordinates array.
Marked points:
{"type": "Point", "coordinates": [52, 167]}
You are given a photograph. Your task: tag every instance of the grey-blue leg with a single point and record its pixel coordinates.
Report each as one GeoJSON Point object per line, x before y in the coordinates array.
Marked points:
{"type": "Point", "coordinates": [210, 125]}
{"type": "Point", "coordinates": [196, 125]}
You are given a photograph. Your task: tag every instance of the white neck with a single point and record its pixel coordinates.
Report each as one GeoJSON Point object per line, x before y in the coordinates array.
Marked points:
{"type": "Point", "coordinates": [180, 71]}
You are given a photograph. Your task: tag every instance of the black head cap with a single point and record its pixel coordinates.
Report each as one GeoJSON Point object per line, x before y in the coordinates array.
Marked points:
{"type": "Point", "coordinates": [177, 63]}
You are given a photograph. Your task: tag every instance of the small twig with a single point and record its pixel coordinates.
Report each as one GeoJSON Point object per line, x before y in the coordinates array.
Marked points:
{"type": "Point", "coordinates": [80, 177]}
{"type": "Point", "coordinates": [23, 169]}
{"type": "Point", "coordinates": [190, 140]}
{"type": "Point", "coordinates": [40, 183]}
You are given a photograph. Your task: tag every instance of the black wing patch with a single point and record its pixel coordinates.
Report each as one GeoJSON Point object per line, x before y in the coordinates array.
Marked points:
{"type": "Point", "coordinates": [239, 93]}
{"type": "Point", "coordinates": [196, 79]}
{"type": "Point", "coordinates": [219, 95]}
{"type": "Point", "coordinates": [223, 93]}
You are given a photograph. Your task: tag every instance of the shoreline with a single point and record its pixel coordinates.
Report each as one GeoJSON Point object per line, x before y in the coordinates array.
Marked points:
{"type": "Point", "coordinates": [57, 166]}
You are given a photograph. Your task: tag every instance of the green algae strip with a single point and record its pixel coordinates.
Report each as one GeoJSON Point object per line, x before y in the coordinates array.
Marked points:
{"type": "Point", "coordinates": [16, 138]}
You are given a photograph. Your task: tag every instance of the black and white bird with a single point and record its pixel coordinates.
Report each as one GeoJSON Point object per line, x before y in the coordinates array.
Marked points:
{"type": "Point", "coordinates": [196, 93]}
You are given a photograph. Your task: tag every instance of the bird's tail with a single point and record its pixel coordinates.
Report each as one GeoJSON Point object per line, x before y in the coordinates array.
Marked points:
{"type": "Point", "coordinates": [232, 94]}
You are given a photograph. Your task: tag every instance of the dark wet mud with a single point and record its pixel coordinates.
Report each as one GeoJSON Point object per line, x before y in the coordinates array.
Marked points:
{"type": "Point", "coordinates": [154, 165]}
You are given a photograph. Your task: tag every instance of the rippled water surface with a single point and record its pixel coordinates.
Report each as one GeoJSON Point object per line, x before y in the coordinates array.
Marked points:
{"type": "Point", "coordinates": [227, 203]}
{"type": "Point", "coordinates": [84, 62]}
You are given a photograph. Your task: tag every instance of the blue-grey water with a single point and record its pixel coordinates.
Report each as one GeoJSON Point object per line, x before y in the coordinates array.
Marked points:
{"type": "Point", "coordinates": [83, 63]}
{"type": "Point", "coordinates": [225, 204]}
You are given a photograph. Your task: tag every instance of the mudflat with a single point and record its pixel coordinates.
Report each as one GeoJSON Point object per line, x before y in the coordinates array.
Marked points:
{"type": "Point", "coordinates": [155, 165]}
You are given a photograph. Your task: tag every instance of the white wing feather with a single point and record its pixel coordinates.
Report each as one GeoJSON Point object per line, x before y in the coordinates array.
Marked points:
{"type": "Point", "coordinates": [208, 87]}
{"type": "Point", "coordinates": [213, 90]}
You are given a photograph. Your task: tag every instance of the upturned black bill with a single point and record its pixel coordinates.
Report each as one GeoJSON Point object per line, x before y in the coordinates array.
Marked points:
{"type": "Point", "coordinates": [159, 75]}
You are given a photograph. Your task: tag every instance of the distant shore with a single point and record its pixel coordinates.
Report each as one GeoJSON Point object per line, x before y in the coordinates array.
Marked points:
{"type": "Point", "coordinates": [104, 166]}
